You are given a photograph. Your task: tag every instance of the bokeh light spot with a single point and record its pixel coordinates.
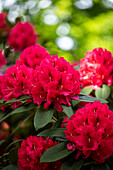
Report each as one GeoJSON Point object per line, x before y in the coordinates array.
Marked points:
{"type": "Point", "coordinates": [65, 43]}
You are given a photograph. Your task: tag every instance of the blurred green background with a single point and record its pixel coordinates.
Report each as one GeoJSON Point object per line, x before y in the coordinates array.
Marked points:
{"type": "Point", "coordinates": [68, 28]}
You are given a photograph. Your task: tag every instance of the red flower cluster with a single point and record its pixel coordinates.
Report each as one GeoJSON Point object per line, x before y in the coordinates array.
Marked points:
{"type": "Point", "coordinates": [31, 151]}
{"type": "Point", "coordinates": [16, 82]}
{"type": "Point", "coordinates": [47, 79]}
{"type": "Point", "coordinates": [4, 29]}
{"type": "Point", "coordinates": [32, 56]}
{"type": "Point", "coordinates": [55, 81]}
{"type": "Point", "coordinates": [2, 59]}
{"type": "Point", "coordinates": [22, 35]}
{"type": "Point", "coordinates": [96, 68]}
{"type": "Point", "coordinates": [90, 131]}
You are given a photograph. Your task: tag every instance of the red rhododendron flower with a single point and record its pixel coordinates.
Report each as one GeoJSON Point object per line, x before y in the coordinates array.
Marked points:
{"type": "Point", "coordinates": [16, 82]}
{"type": "Point", "coordinates": [4, 29]}
{"type": "Point", "coordinates": [90, 131]}
{"type": "Point", "coordinates": [1, 81]}
{"type": "Point", "coordinates": [22, 35]}
{"type": "Point", "coordinates": [32, 56]}
{"type": "Point", "coordinates": [31, 151]}
{"type": "Point", "coordinates": [64, 123]}
{"type": "Point", "coordinates": [96, 68]}
{"type": "Point", "coordinates": [55, 81]}
{"type": "Point", "coordinates": [2, 59]}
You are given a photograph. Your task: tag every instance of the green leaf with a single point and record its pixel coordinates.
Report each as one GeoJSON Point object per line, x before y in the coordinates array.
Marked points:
{"type": "Point", "coordinates": [3, 105]}
{"type": "Point", "coordinates": [13, 143]}
{"type": "Point", "coordinates": [5, 117]}
{"type": "Point", "coordinates": [19, 125]}
{"type": "Point", "coordinates": [103, 92]}
{"type": "Point", "coordinates": [20, 109]}
{"type": "Point", "coordinates": [55, 153]}
{"type": "Point", "coordinates": [103, 166]}
{"type": "Point", "coordinates": [2, 100]}
{"type": "Point", "coordinates": [58, 123]}
{"type": "Point", "coordinates": [2, 142]}
{"type": "Point", "coordinates": [89, 162]}
{"type": "Point", "coordinates": [13, 155]}
{"type": "Point", "coordinates": [77, 67]}
{"type": "Point", "coordinates": [77, 164]}
{"type": "Point", "coordinates": [87, 98]}
{"type": "Point", "coordinates": [24, 108]}
{"type": "Point", "coordinates": [24, 97]}
{"type": "Point", "coordinates": [42, 117]}
{"type": "Point", "coordinates": [53, 132]}
{"type": "Point", "coordinates": [68, 110]}
{"type": "Point", "coordinates": [87, 90]}
{"type": "Point", "coordinates": [67, 164]}
{"type": "Point", "coordinates": [75, 102]}
{"type": "Point", "coordinates": [11, 167]}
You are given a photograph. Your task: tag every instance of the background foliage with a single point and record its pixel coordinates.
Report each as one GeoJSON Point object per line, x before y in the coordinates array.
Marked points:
{"type": "Point", "coordinates": [66, 27]}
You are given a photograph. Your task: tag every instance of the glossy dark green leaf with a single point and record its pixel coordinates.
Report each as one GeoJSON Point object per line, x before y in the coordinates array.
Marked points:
{"type": "Point", "coordinates": [77, 164]}
{"type": "Point", "coordinates": [5, 117]}
{"type": "Point", "coordinates": [2, 142]}
{"type": "Point", "coordinates": [19, 125]}
{"type": "Point", "coordinates": [13, 143]}
{"type": "Point", "coordinates": [20, 109]}
{"type": "Point", "coordinates": [75, 102]}
{"type": "Point", "coordinates": [42, 117]}
{"type": "Point", "coordinates": [24, 108]}
{"type": "Point", "coordinates": [22, 98]}
{"type": "Point", "coordinates": [13, 155]}
{"type": "Point", "coordinates": [58, 123]}
{"type": "Point", "coordinates": [68, 110]}
{"type": "Point", "coordinates": [55, 153]}
{"type": "Point", "coordinates": [67, 164]}
{"type": "Point", "coordinates": [103, 166]}
{"type": "Point", "coordinates": [11, 167]}
{"type": "Point", "coordinates": [53, 132]}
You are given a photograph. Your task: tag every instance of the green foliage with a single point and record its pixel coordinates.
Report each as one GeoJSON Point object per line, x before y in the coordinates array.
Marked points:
{"type": "Point", "coordinates": [11, 167]}
{"type": "Point", "coordinates": [88, 28]}
{"type": "Point", "coordinates": [68, 110]}
{"type": "Point", "coordinates": [77, 164]}
{"type": "Point", "coordinates": [53, 132]}
{"type": "Point", "coordinates": [87, 90]}
{"type": "Point", "coordinates": [13, 156]}
{"type": "Point", "coordinates": [103, 166]}
{"type": "Point", "coordinates": [103, 92]}
{"type": "Point", "coordinates": [87, 98]}
{"type": "Point", "coordinates": [42, 117]}
{"type": "Point", "coordinates": [55, 153]}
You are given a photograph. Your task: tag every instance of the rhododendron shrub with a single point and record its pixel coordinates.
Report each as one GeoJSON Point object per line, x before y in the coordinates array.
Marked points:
{"type": "Point", "coordinates": [55, 81]}
{"type": "Point", "coordinates": [21, 36]}
{"type": "Point", "coordinates": [38, 98]}
{"type": "Point", "coordinates": [90, 131]}
{"type": "Point", "coordinates": [31, 151]}
{"type": "Point", "coordinates": [32, 56]}
{"type": "Point", "coordinates": [96, 68]}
